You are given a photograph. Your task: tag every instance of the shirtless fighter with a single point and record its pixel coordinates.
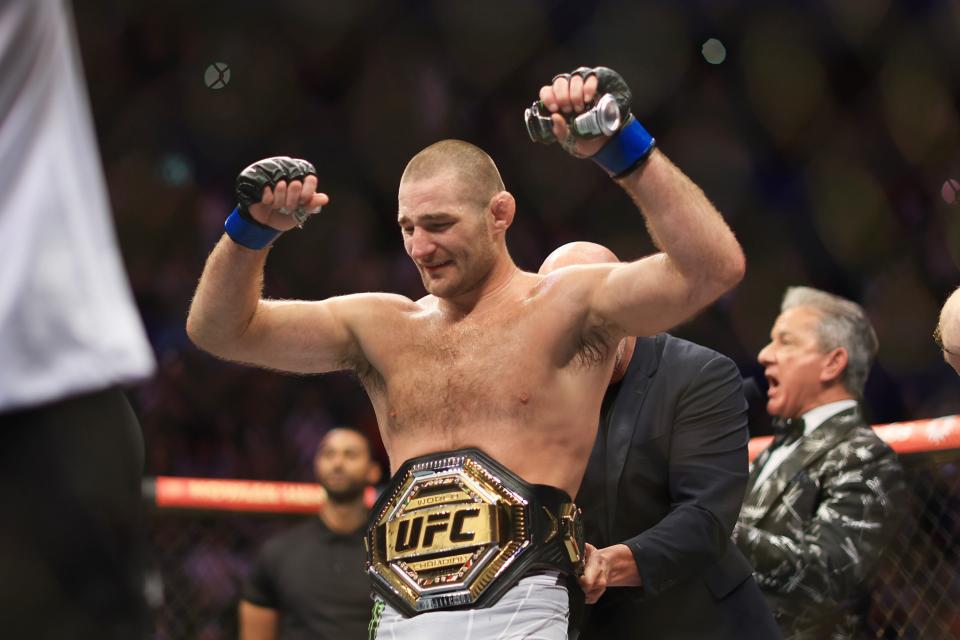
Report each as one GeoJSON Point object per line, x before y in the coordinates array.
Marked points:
{"type": "Point", "coordinates": [487, 389]}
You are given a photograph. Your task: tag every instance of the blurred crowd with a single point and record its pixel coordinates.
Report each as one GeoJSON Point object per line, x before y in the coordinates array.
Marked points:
{"type": "Point", "coordinates": [824, 132]}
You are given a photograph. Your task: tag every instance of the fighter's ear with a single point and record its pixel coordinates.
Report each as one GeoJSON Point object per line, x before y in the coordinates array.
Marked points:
{"type": "Point", "coordinates": [503, 207]}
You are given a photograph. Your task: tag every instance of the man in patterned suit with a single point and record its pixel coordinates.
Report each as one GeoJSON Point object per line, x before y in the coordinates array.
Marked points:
{"type": "Point", "coordinates": [824, 499]}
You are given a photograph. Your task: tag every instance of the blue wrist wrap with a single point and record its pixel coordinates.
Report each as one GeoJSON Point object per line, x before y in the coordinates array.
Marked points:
{"type": "Point", "coordinates": [626, 150]}
{"type": "Point", "coordinates": [250, 234]}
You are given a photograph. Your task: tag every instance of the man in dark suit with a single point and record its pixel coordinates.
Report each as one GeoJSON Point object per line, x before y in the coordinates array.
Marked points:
{"type": "Point", "coordinates": [824, 499]}
{"type": "Point", "coordinates": [662, 491]}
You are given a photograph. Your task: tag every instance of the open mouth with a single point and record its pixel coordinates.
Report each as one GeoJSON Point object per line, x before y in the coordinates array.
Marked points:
{"type": "Point", "coordinates": [773, 383]}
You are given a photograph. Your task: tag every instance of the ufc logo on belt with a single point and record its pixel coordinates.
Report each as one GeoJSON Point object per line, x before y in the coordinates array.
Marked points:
{"type": "Point", "coordinates": [440, 529]}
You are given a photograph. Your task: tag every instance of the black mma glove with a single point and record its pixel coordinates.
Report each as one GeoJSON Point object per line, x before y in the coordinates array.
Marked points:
{"type": "Point", "coordinates": [629, 145]}
{"type": "Point", "coordinates": [240, 225]}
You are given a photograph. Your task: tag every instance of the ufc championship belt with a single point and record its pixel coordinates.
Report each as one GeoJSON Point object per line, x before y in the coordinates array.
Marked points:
{"type": "Point", "coordinates": [457, 529]}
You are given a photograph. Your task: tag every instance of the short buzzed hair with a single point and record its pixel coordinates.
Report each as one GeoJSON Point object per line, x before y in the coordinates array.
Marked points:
{"type": "Point", "coordinates": [843, 323]}
{"type": "Point", "coordinates": [473, 166]}
{"type": "Point", "coordinates": [345, 429]}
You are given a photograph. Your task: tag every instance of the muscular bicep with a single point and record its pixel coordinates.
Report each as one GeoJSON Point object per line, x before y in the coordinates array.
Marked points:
{"type": "Point", "coordinates": [311, 336]}
{"type": "Point", "coordinates": [646, 296]}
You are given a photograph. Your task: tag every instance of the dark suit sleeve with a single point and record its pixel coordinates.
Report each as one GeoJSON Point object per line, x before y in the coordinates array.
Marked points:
{"type": "Point", "coordinates": [707, 479]}
{"type": "Point", "coordinates": [861, 494]}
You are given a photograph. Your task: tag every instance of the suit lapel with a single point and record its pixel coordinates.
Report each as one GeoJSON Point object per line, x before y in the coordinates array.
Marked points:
{"type": "Point", "coordinates": [810, 448]}
{"type": "Point", "coordinates": [623, 420]}
{"type": "Point", "coordinates": [758, 463]}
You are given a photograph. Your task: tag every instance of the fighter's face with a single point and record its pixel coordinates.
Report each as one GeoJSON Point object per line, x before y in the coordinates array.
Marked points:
{"type": "Point", "coordinates": [343, 465]}
{"type": "Point", "coordinates": [793, 363]}
{"type": "Point", "coordinates": [446, 234]}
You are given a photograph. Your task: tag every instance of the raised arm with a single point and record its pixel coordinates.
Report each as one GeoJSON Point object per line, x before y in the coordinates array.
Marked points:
{"type": "Point", "coordinates": [700, 259]}
{"type": "Point", "coordinates": [228, 317]}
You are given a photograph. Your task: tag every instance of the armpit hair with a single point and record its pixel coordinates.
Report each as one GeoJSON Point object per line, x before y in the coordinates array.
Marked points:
{"type": "Point", "coordinates": [366, 373]}
{"type": "Point", "coordinates": [595, 346]}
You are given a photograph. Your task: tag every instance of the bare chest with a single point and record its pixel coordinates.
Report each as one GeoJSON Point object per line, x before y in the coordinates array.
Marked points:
{"type": "Point", "coordinates": [446, 376]}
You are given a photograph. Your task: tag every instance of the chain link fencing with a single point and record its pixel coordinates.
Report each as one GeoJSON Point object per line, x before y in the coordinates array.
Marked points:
{"type": "Point", "coordinates": [917, 585]}
{"type": "Point", "coordinates": [204, 534]}
{"type": "Point", "coordinates": [196, 564]}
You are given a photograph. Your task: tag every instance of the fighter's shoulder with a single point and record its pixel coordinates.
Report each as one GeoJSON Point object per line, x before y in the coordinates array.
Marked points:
{"type": "Point", "coordinates": [375, 306]}
{"type": "Point", "coordinates": [569, 281]}
{"type": "Point", "coordinates": [378, 300]}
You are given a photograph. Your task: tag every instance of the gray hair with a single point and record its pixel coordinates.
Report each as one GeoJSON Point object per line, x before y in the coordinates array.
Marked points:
{"type": "Point", "coordinates": [842, 324]}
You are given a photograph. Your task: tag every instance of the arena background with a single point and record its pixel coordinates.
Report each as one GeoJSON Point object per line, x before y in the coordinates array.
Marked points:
{"type": "Point", "coordinates": [826, 132]}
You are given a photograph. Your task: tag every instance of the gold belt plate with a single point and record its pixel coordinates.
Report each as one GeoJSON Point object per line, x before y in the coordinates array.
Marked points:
{"type": "Point", "coordinates": [447, 530]}
{"type": "Point", "coordinates": [442, 529]}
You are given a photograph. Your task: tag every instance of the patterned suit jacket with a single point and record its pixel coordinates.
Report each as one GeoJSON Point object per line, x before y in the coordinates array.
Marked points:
{"type": "Point", "coordinates": [817, 525]}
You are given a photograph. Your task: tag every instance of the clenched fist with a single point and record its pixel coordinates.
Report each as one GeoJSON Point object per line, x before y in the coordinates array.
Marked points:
{"type": "Point", "coordinates": [279, 192]}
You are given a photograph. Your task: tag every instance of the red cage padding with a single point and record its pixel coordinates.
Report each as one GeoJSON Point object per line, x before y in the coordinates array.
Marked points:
{"type": "Point", "coordinates": [916, 436]}
{"type": "Point", "coordinates": [165, 492]}
{"type": "Point", "coordinates": [207, 494]}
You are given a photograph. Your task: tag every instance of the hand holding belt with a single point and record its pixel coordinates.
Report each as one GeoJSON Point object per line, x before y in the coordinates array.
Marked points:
{"type": "Point", "coordinates": [457, 529]}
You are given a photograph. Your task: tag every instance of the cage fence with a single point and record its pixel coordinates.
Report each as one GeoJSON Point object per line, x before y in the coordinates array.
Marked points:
{"type": "Point", "coordinates": [204, 534]}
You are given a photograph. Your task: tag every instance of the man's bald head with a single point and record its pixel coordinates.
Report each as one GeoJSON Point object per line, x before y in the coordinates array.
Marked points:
{"type": "Point", "coordinates": [947, 332]}
{"type": "Point", "coordinates": [574, 253]}
{"type": "Point", "coordinates": [577, 253]}
{"type": "Point", "coordinates": [470, 164]}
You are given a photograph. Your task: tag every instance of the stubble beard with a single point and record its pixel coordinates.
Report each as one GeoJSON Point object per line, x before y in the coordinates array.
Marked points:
{"type": "Point", "coordinates": [470, 272]}
{"type": "Point", "coordinates": [348, 495]}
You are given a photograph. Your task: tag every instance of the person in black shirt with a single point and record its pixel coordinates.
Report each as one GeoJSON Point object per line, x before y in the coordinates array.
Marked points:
{"type": "Point", "coordinates": [309, 581]}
